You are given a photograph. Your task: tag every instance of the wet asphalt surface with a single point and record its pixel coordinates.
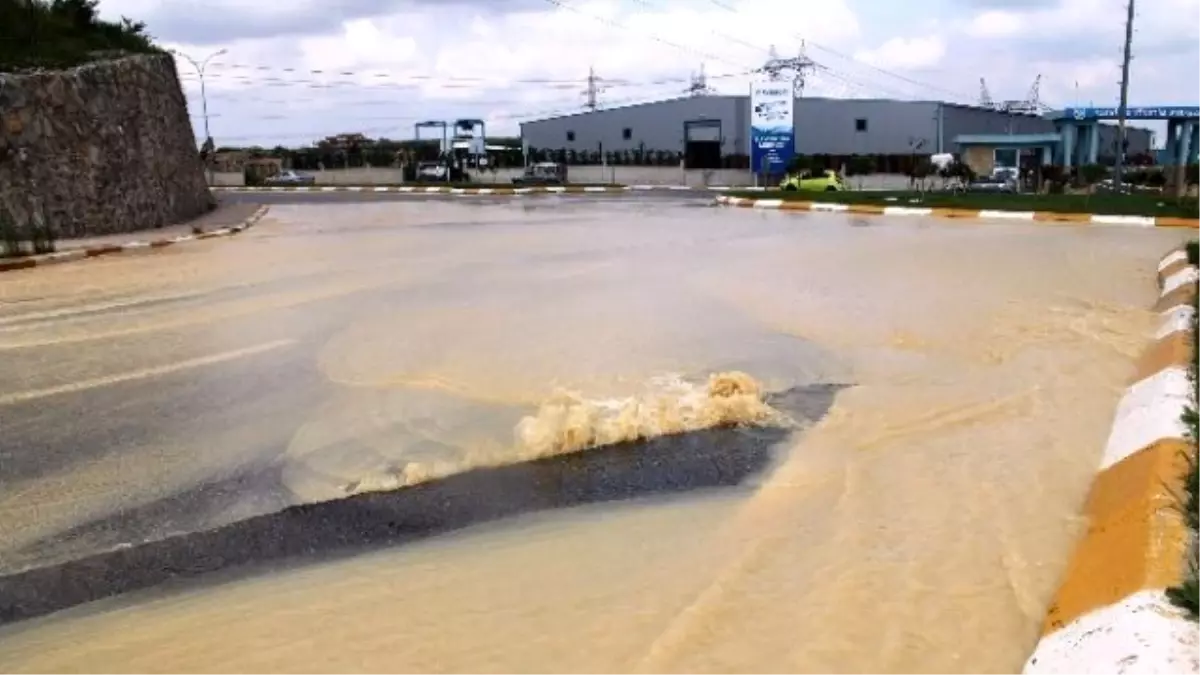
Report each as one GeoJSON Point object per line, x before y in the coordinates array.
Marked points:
{"type": "Point", "coordinates": [187, 525]}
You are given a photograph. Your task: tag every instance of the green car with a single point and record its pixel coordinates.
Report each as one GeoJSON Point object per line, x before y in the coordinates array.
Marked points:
{"type": "Point", "coordinates": [829, 181]}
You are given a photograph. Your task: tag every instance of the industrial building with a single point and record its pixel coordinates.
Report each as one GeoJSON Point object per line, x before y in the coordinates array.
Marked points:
{"type": "Point", "coordinates": [708, 128]}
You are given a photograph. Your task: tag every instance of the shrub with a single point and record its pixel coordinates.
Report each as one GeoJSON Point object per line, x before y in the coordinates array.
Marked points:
{"type": "Point", "coordinates": [1091, 174]}
{"type": "Point", "coordinates": [64, 33]}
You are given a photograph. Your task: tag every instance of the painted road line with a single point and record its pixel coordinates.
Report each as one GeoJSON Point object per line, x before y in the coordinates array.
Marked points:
{"type": "Point", "coordinates": [767, 203]}
{"type": "Point", "coordinates": [828, 206]}
{"type": "Point", "coordinates": [141, 374]}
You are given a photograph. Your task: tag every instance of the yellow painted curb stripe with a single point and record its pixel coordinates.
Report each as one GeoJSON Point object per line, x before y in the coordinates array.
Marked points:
{"type": "Point", "coordinates": [1171, 351]}
{"type": "Point", "coordinates": [943, 212]}
{"type": "Point", "coordinates": [1176, 222]}
{"type": "Point", "coordinates": [1135, 539]}
{"type": "Point", "coordinates": [1062, 217]}
{"type": "Point", "coordinates": [1180, 296]}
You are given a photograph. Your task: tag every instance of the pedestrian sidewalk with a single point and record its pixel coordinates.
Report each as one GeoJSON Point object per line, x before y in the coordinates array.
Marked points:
{"type": "Point", "coordinates": [224, 221]}
{"type": "Point", "coordinates": [225, 215]}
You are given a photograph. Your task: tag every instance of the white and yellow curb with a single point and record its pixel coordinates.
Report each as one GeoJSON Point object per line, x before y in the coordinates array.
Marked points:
{"type": "Point", "coordinates": [982, 214]}
{"type": "Point", "coordinates": [1111, 613]}
{"type": "Point", "coordinates": [128, 247]}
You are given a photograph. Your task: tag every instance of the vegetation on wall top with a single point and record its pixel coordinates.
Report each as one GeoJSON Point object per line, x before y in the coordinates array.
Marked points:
{"type": "Point", "coordinates": [64, 33]}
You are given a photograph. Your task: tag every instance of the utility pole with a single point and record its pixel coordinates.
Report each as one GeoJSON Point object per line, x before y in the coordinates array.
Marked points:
{"type": "Point", "coordinates": [200, 66]}
{"type": "Point", "coordinates": [1118, 170]}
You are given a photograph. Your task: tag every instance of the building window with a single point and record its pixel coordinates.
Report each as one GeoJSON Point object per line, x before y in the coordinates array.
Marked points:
{"type": "Point", "coordinates": [627, 133]}
{"type": "Point", "coordinates": [860, 124]}
{"type": "Point", "coordinates": [570, 136]}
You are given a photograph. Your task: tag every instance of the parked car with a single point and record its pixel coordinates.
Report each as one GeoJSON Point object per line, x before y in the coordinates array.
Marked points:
{"type": "Point", "coordinates": [1000, 182]}
{"type": "Point", "coordinates": [542, 173]}
{"type": "Point", "coordinates": [432, 171]}
{"type": "Point", "coordinates": [828, 181]}
{"type": "Point", "coordinates": [289, 178]}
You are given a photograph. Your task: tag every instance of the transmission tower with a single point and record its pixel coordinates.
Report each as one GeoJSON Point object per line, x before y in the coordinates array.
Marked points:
{"type": "Point", "coordinates": [699, 85]}
{"type": "Point", "coordinates": [985, 96]}
{"type": "Point", "coordinates": [593, 91]}
{"type": "Point", "coordinates": [796, 68]}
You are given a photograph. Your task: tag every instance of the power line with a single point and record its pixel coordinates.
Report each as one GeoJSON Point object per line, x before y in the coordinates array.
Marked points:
{"type": "Point", "coordinates": [614, 24]}
{"type": "Point", "coordinates": [328, 131]}
{"type": "Point", "coordinates": [830, 50]}
{"type": "Point", "coordinates": [379, 84]}
{"type": "Point", "coordinates": [715, 32]}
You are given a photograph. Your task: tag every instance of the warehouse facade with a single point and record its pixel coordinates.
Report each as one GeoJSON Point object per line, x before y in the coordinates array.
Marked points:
{"type": "Point", "coordinates": [823, 126]}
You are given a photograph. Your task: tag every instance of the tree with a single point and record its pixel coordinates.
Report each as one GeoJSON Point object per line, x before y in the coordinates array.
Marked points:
{"type": "Point", "coordinates": [1054, 178]}
{"type": "Point", "coordinates": [800, 164]}
{"type": "Point", "coordinates": [956, 170]}
{"type": "Point", "coordinates": [1091, 174]}
{"type": "Point", "coordinates": [860, 166]}
{"type": "Point", "coordinates": [921, 169]}
{"type": "Point", "coordinates": [64, 33]}
{"type": "Point", "coordinates": [1192, 174]}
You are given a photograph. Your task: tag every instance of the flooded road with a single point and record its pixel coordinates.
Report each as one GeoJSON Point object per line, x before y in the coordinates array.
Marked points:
{"type": "Point", "coordinates": [362, 437]}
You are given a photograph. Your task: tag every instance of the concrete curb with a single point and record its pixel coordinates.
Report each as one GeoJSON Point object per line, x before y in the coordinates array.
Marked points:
{"type": "Point", "coordinates": [1111, 613]}
{"type": "Point", "coordinates": [985, 214]}
{"type": "Point", "coordinates": [9, 265]}
{"type": "Point", "coordinates": [494, 191]}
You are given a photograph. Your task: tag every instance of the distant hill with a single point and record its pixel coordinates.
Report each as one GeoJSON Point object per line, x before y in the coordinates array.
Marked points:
{"type": "Point", "coordinates": [64, 33]}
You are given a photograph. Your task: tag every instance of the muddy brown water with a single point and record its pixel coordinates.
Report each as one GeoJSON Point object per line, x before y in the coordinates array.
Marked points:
{"type": "Point", "coordinates": [921, 406]}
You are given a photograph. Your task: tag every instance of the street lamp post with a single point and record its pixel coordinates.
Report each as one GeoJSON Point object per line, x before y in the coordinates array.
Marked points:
{"type": "Point", "coordinates": [200, 66]}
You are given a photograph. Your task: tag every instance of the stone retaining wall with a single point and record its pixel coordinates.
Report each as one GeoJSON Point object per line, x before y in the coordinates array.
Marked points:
{"type": "Point", "coordinates": [103, 148]}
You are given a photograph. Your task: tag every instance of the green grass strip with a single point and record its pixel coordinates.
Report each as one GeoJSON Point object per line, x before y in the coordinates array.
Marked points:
{"type": "Point", "coordinates": [1187, 594]}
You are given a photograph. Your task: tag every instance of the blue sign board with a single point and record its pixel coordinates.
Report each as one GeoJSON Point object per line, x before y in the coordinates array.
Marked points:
{"type": "Point", "coordinates": [772, 126]}
{"type": "Point", "coordinates": [1162, 112]}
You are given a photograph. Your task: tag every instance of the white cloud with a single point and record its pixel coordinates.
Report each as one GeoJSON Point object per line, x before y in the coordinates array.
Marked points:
{"type": "Point", "coordinates": [906, 53]}
{"type": "Point", "coordinates": [995, 24]}
{"type": "Point", "coordinates": [384, 64]}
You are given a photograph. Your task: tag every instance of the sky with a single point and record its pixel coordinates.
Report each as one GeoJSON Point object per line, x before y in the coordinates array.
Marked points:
{"type": "Point", "coordinates": [296, 71]}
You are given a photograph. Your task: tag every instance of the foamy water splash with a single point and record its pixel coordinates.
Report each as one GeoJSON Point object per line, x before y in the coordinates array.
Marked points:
{"type": "Point", "coordinates": [671, 405]}
{"type": "Point", "coordinates": [565, 423]}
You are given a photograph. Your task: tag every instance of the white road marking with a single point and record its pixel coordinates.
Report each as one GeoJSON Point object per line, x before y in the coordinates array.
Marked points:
{"type": "Point", "coordinates": [23, 396]}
